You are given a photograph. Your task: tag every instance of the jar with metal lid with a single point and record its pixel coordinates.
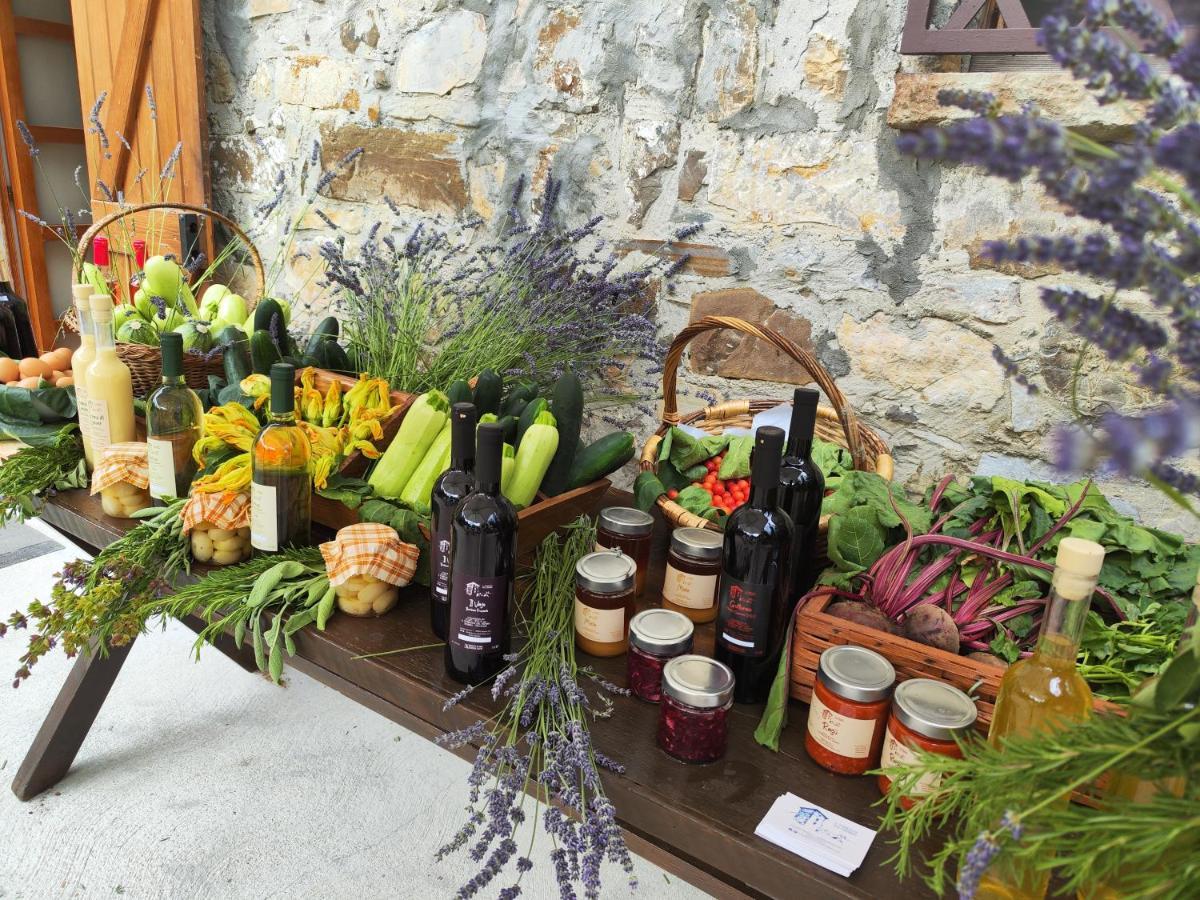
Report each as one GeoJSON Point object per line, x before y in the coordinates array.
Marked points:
{"type": "Point", "coordinates": [848, 709]}
{"type": "Point", "coordinates": [628, 530]}
{"type": "Point", "coordinates": [926, 715]}
{"type": "Point", "coordinates": [655, 637]}
{"type": "Point", "coordinates": [693, 718]}
{"type": "Point", "coordinates": [604, 602]}
{"type": "Point", "coordinates": [693, 571]}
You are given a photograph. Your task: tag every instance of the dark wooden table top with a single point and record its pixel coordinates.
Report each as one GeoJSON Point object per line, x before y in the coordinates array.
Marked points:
{"type": "Point", "coordinates": [698, 821]}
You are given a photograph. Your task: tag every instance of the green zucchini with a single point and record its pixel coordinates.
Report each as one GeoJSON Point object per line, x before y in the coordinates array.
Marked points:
{"type": "Point", "coordinates": [517, 398]}
{"type": "Point", "coordinates": [459, 392]}
{"type": "Point", "coordinates": [600, 458]}
{"type": "Point", "coordinates": [509, 424]}
{"type": "Point", "coordinates": [567, 406]}
{"type": "Point", "coordinates": [237, 358]}
{"type": "Point", "coordinates": [336, 359]}
{"type": "Point", "coordinates": [488, 387]}
{"type": "Point", "coordinates": [328, 329]}
{"type": "Point", "coordinates": [262, 352]}
{"type": "Point", "coordinates": [532, 408]}
{"type": "Point", "coordinates": [264, 311]}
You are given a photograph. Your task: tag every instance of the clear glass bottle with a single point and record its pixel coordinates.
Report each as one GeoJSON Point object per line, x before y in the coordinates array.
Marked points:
{"type": "Point", "coordinates": [84, 357]}
{"type": "Point", "coordinates": [109, 385]}
{"type": "Point", "coordinates": [1045, 692]}
{"type": "Point", "coordinates": [174, 421]}
{"type": "Point", "coordinates": [281, 484]}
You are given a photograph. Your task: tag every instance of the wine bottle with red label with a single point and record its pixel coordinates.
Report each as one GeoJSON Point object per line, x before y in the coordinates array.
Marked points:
{"type": "Point", "coordinates": [754, 587]}
{"type": "Point", "coordinates": [451, 488]}
{"type": "Point", "coordinates": [483, 544]}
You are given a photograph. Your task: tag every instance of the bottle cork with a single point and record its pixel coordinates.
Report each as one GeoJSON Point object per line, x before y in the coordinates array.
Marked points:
{"type": "Point", "coordinates": [101, 304]}
{"type": "Point", "coordinates": [1076, 568]}
{"type": "Point", "coordinates": [81, 294]}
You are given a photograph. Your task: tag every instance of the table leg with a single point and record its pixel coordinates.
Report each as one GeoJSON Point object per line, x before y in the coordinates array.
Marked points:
{"type": "Point", "coordinates": [68, 722]}
{"type": "Point", "coordinates": [243, 656]}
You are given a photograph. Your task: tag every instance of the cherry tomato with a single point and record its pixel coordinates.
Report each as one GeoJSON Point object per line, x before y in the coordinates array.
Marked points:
{"type": "Point", "coordinates": [672, 494]}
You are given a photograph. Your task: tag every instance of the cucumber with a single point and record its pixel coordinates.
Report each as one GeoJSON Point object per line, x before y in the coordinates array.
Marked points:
{"type": "Point", "coordinates": [530, 413]}
{"type": "Point", "coordinates": [488, 387]}
{"type": "Point", "coordinates": [265, 311]}
{"type": "Point", "coordinates": [237, 358]}
{"type": "Point", "coordinates": [263, 352]}
{"type": "Point", "coordinates": [335, 358]}
{"type": "Point", "coordinates": [509, 424]}
{"type": "Point", "coordinates": [292, 361]}
{"type": "Point", "coordinates": [600, 458]}
{"type": "Point", "coordinates": [326, 330]}
{"type": "Point", "coordinates": [567, 406]}
{"type": "Point", "coordinates": [459, 392]}
{"type": "Point", "coordinates": [517, 398]}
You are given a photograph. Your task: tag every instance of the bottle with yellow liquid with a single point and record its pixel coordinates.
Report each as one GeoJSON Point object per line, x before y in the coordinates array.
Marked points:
{"type": "Point", "coordinates": [1045, 692]}
{"type": "Point", "coordinates": [84, 356]}
{"type": "Point", "coordinates": [109, 386]}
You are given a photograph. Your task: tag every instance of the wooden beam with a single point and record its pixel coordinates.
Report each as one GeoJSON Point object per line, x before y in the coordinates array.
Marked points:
{"type": "Point", "coordinates": [57, 31]}
{"type": "Point", "coordinates": [128, 85]}
{"type": "Point", "coordinates": [56, 134]}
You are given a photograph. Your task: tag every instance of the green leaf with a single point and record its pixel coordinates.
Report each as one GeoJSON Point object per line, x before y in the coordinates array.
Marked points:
{"type": "Point", "coordinates": [646, 490]}
{"type": "Point", "coordinates": [736, 463]}
{"type": "Point", "coordinates": [266, 583]}
{"type": "Point", "coordinates": [695, 500]}
{"type": "Point", "coordinates": [833, 461]}
{"type": "Point", "coordinates": [32, 434]}
{"type": "Point", "coordinates": [275, 663]}
{"type": "Point", "coordinates": [325, 607]}
{"type": "Point", "coordinates": [350, 492]}
{"type": "Point", "coordinates": [239, 633]}
{"type": "Point", "coordinates": [856, 539]}
{"type": "Point", "coordinates": [260, 658]}
{"type": "Point", "coordinates": [774, 716]}
{"type": "Point", "coordinates": [37, 406]}
{"type": "Point", "coordinates": [671, 477]}
{"type": "Point", "coordinates": [1179, 681]}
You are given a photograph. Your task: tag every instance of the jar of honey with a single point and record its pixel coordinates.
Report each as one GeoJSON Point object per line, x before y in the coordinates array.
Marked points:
{"type": "Point", "coordinates": [693, 718]}
{"type": "Point", "coordinates": [693, 570]}
{"type": "Point", "coordinates": [604, 602]}
{"type": "Point", "coordinates": [628, 530]}
{"type": "Point", "coordinates": [849, 709]}
{"type": "Point", "coordinates": [656, 636]}
{"type": "Point", "coordinates": [926, 715]}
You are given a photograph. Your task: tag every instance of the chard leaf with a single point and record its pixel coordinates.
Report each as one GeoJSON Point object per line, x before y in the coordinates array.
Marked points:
{"type": "Point", "coordinates": [646, 490]}
{"type": "Point", "coordinates": [856, 539]}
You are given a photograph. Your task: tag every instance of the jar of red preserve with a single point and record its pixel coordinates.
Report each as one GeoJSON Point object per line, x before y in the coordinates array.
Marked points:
{"type": "Point", "coordinates": [628, 530]}
{"type": "Point", "coordinates": [693, 570]}
{"type": "Point", "coordinates": [697, 693]}
{"type": "Point", "coordinates": [655, 637]}
{"type": "Point", "coordinates": [849, 709]}
{"type": "Point", "coordinates": [926, 715]}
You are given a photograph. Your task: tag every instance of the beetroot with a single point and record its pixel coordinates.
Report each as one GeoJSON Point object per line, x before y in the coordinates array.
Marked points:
{"type": "Point", "coordinates": [988, 659]}
{"type": "Point", "coordinates": [862, 614]}
{"type": "Point", "coordinates": [932, 625]}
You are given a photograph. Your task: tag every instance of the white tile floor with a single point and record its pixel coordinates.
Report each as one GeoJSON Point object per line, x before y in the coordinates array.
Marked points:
{"type": "Point", "coordinates": [200, 780]}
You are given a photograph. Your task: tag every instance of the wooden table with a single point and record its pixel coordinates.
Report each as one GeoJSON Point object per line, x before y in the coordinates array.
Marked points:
{"type": "Point", "coordinates": [695, 821]}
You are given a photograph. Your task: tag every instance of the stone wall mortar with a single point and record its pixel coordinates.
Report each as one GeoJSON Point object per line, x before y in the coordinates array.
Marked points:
{"type": "Point", "coordinates": [768, 122]}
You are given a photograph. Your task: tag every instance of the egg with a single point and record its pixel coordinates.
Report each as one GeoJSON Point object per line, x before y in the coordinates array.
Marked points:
{"type": "Point", "coordinates": [9, 370]}
{"type": "Point", "coordinates": [62, 358]}
{"type": "Point", "coordinates": [31, 382]}
{"type": "Point", "coordinates": [55, 375]}
{"type": "Point", "coordinates": [31, 366]}
{"type": "Point", "coordinates": [65, 381]}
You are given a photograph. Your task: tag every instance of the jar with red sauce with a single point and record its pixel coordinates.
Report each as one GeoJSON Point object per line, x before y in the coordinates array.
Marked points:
{"type": "Point", "coordinates": [656, 636]}
{"type": "Point", "coordinates": [693, 717]}
{"type": "Point", "coordinates": [693, 570]}
{"type": "Point", "coordinates": [926, 715]}
{"type": "Point", "coordinates": [628, 530]}
{"type": "Point", "coordinates": [848, 712]}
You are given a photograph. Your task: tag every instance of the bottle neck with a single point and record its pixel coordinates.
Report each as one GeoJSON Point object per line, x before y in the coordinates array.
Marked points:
{"type": "Point", "coordinates": [800, 447]}
{"type": "Point", "coordinates": [764, 493]}
{"type": "Point", "coordinates": [487, 485]}
{"type": "Point", "coordinates": [87, 326]}
{"type": "Point", "coordinates": [463, 460]}
{"type": "Point", "coordinates": [1066, 613]}
{"type": "Point", "coordinates": [102, 328]}
{"type": "Point", "coordinates": [173, 381]}
{"type": "Point", "coordinates": [277, 418]}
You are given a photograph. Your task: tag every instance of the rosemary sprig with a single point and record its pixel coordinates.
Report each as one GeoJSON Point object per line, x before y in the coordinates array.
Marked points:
{"type": "Point", "coordinates": [31, 472]}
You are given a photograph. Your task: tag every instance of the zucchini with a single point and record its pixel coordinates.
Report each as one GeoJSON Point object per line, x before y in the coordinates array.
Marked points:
{"type": "Point", "coordinates": [600, 458]}
{"type": "Point", "coordinates": [533, 459]}
{"type": "Point", "coordinates": [532, 408]}
{"type": "Point", "coordinates": [327, 329]}
{"type": "Point", "coordinates": [509, 425]}
{"type": "Point", "coordinates": [237, 358]}
{"type": "Point", "coordinates": [418, 430]}
{"type": "Point", "coordinates": [263, 313]}
{"type": "Point", "coordinates": [263, 353]}
{"type": "Point", "coordinates": [335, 357]}
{"type": "Point", "coordinates": [567, 406]}
{"type": "Point", "coordinates": [488, 387]}
{"type": "Point", "coordinates": [517, 398]}
{"type": "Point", "coordinates": [459, 392]}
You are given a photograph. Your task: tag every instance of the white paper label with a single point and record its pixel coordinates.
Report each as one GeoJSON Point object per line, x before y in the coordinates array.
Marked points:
{"type": "Point", "coordinates": [97, 416]}
{"type": "Point", "coordinates": [840, 734]}
{"type": "Point", "coordinates": [896, 753]}
{"type": "Point", "coordinates": [604, 626]}
{"type": "Point", "coordinates": [690, 591]}
{"type": "Point", "coordinates": [160, 456]}
{"type": "Point", "coordinates": [264, 524]}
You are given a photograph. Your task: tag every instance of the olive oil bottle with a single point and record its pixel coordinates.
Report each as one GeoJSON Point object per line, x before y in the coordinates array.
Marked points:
{"type": "Point", "coordinates": [281, 484]}
{"type": "Point", "coordinates": [174, 419]}
{"type": "Point", "coordinates": [1046, 692]}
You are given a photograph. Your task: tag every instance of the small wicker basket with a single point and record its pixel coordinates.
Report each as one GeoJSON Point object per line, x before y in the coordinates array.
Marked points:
{"type": "Point", "coordinates": [836, 424]}
{"type": "Point", "coordinates": [145, 362]}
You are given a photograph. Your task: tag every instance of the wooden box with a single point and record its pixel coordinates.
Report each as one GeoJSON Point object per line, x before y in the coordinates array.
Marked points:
{"type": "Point", "coordinates": [356, 464]}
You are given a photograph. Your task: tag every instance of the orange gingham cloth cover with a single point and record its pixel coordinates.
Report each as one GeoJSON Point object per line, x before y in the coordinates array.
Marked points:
{"type": "Point", "coordinates": [122, 462]}
{"type": "Point", "coordinates": [369, 548]}
{"type": "Point", "coordinates": [227, 510]}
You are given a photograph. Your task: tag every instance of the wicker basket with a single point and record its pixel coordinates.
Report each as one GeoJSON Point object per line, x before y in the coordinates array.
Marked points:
{"type": "Point", "coordinates": [144, 362]}
{"type": "Point", "coordinates": [836, 424]}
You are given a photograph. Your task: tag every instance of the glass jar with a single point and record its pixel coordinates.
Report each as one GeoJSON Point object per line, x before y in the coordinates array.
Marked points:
{"type": "Point", "coordinates": [655, 637]}
{"type": "Point", "coordinates": [366, 595]}
{"type": "Point", "coordinates": [628, 530]}
{"type": "Point", "coordinates": [693, 570]}
{"type": "Point", "coordinates": [220, 546]}
{"type": "Point", "coordinates": [122, 500]}
{"type": "Point", "coordinates": [693, 718]}
{"type": "Point", "coordinates": [926, 715]}
{"type": "Point", "coordinates": [848, 710]}
{"type": "Point", "coordinates": [604, 602]}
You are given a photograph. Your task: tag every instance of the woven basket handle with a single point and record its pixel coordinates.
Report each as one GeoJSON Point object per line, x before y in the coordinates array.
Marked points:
{"type": "Point", "coordinates": [807, 361]}
{"type": "Point", "coordinates": [86, 240]}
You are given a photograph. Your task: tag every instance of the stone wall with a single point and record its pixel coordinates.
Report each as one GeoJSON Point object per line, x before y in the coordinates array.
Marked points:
{"type": "Point", "coordinates": [767, 121]}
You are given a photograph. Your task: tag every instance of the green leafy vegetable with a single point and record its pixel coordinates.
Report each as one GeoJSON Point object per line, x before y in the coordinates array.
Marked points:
{"type": "Point", "coordinates": [736, 463]}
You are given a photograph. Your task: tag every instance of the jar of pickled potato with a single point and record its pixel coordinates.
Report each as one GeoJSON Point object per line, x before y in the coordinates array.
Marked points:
{"type": "Point", "coordinates": [123, 499]}
{"type": "Point", "coordinates": [218, 526]}
{"type": "Point", "coordinates": [220, 546]}
{"type": "Point", "coordinates": [366, 595]}
{"type": "Point", "coordinates": [122, 479]}
{"type": "Point", "coordinates": [367, 565]}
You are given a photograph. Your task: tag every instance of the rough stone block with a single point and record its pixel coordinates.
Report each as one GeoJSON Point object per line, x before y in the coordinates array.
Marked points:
{"type": "Point", "coordinates": [825, 66]}
{"type": "Point", "coordinates": [445, 54]}
{"type": "Point", "coordinates": [269, 7]}
{"type": "Point", "coordinates": [732, 354]}
{"type": "Point", "coordinates": [315, 81]}
{"type": "Point", "coordinates": [703, 259]}
{"type": "Point", "coordinates": [729, 60]}
{"type": "Point", "coordinates": [692, 175]}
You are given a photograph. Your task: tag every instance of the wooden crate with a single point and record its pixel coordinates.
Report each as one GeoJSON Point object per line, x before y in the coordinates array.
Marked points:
{"type": "Point", "coordinates": [356, 464]}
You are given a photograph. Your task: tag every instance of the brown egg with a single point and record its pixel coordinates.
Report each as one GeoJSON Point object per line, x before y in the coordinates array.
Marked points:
{"type": "Point", "coordinates": [9, 370]}
{"type": "Point", "coordinates": [31, 366]}
{"type": "Point", "coordinates": [55, 375]}
{"type": "Point", "coordinates": [62, 358]}
{"type": "Point", "coordinates": [49, 359]}
{"type": "Point", "coordinates": [65, 381]}
{"type": "Point", "coordinates": [32, 381]}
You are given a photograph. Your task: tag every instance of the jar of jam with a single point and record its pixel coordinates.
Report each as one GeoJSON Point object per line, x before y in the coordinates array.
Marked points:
{"type": "Point", "coordinates": [926, 715]}
{"type": "Point", "coordinates": [693, 570]}
{"type": "Point", "coordinates": [848, 710]}
{"type": "Point", "coordinates": [693, 718]}
{"type": "Point", "coordinates": [628, 530]}
{"type": "Point", "coordinates": [604, 602]}
{"type": "Point", "coordinates": [655, 636]}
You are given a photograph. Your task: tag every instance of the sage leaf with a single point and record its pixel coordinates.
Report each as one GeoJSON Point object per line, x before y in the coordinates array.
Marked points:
{"type": "Point", "coordinates": [275, 665]}
{"type": "Point", "coordinates": [260, 658]}
{"type": "Point", "coordinates": [325, 608]}
{"type": "Point", "coordinates": [266, 583]}
{"type": "Point", "coordinates": [289, 643]}
{"type": "Point", "coordinates": [239, 633]}
{"type": "Point", "coordinates": [299, 620]}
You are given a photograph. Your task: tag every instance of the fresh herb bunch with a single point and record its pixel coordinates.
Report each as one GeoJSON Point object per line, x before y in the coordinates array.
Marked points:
{"type": "Point", "coordinates": [106, 602]}
{"type": "Point", "coordinates": [1000, 804]}
{"type": "Point", "coordinates": [539, 744]}
{"type": "Point", "coordinates": [32, 472]}
{"type": "Point", "coordinates": [291, 585]}
{"type": "Point", "coordinates": [1144, 195]}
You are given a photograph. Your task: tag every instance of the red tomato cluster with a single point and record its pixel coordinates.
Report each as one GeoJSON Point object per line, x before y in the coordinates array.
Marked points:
{"type": "Point", "coordinates": [726, 495]}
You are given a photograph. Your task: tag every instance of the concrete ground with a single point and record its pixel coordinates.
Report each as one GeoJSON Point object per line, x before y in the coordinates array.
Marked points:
{"type": "Point", "coordinates": [200, 780]}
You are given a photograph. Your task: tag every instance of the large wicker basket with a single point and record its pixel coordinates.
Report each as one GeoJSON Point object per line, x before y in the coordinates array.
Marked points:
{"type": "Point", "coordinates": [835, 423]}
{"type": "Point", "coordinates": [144, 362]}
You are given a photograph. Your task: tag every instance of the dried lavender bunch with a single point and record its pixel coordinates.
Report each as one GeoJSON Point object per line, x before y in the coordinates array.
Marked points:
{"type": "Point", "coordinates": [1144, 196]}
{"type": "Point", "coordinates": [539, 746]}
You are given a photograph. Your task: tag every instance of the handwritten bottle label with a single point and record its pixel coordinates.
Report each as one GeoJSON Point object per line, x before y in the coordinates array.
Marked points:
{"type": "Point", "coordinates": [439, 553]}
{"type": "Point", "coordinates": [98, 433]}
{"type": "Point", "coordinates": [838, 733]}
{"type": "Point", "coordinates": [478, 609]}
{"type": "Point", "coordinates": [160, 457]}
{"type": "Point", "coordinates": [744, 618]}
{"type": "Point", "coordinates": [264, 521]}
{"type": "Point", "coordinates": [690, 591]}
{"type": "Point", "coordinates": [604, 626]}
